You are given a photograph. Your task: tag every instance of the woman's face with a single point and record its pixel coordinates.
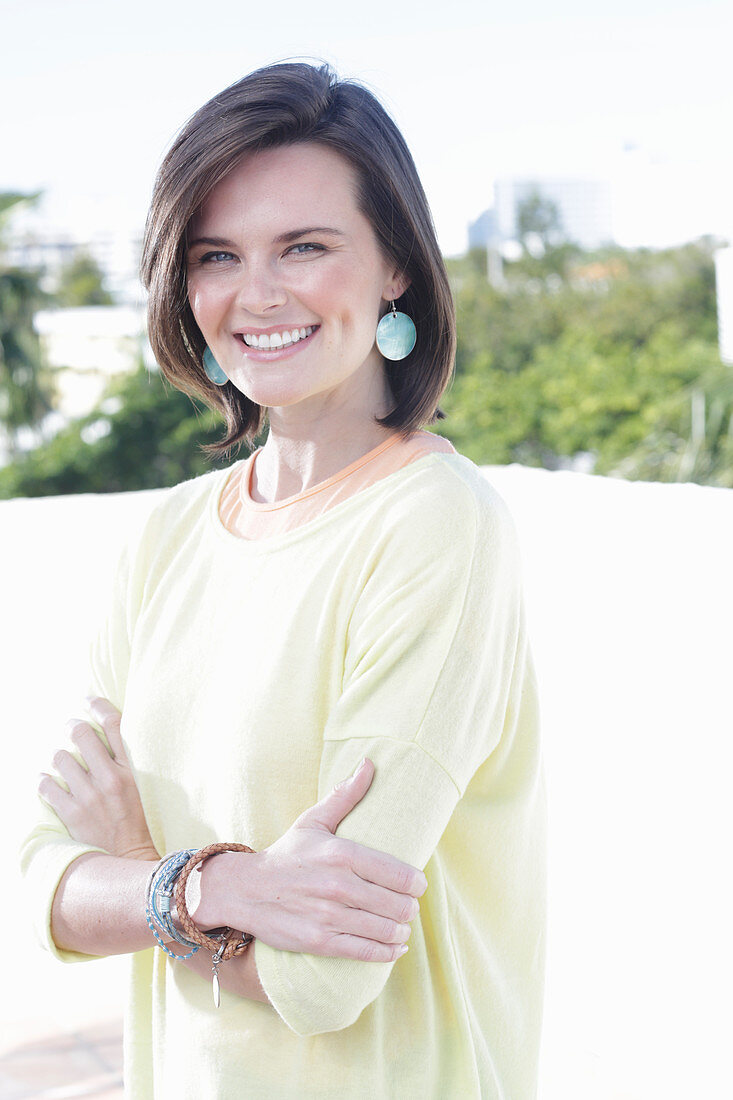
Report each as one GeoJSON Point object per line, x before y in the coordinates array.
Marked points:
{"type": "Point", "coordinates": [281, 250]}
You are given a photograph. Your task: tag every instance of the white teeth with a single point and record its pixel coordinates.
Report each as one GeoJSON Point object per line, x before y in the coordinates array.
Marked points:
{"type": "Point", "coordinates": [277, 339]}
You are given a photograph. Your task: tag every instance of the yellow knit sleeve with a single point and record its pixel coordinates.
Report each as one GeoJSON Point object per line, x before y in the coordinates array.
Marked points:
{"type": "Point", "coordinates": [434, 673]}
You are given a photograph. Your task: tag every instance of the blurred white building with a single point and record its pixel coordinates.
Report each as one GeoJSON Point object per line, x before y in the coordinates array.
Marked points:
{"type": "Point", "coordinates": [483, 232]}
{"type": "Point", "coordinates": [584, 206]}
{"type": "Point", "coordinates": [87, 347]}
{"type": "Point", "coordinates": [37, 243]}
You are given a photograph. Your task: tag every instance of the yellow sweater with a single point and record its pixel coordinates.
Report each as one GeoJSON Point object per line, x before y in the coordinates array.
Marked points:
{"type": "Point", "coordinates": [252, 677]}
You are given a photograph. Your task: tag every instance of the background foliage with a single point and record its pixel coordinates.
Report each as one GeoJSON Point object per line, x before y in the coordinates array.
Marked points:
{"type": "Point", "coordinates": [81, 283]}
{"type": "Point", "coordinates": [606, 361]}
{"type": "Point", "coordinates": [25, 387]}
{"type": "Point", "coordinates": [145, 435]}
{"type": "Point", "coordinates": [609, 356]}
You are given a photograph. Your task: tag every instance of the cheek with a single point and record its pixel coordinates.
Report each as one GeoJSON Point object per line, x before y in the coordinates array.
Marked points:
{"type": "Point", "coordinates": [209, 308]}
{"type": "Point", "coordinates": [345, 296]}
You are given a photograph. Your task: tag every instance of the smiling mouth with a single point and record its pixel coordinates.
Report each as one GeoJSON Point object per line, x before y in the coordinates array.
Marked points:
{"type": "Point", "coordinates": [275, 341]}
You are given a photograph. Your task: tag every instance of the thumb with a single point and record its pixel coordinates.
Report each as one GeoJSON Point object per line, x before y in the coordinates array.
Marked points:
{"type": "Point", "coordinates": [334, 807]}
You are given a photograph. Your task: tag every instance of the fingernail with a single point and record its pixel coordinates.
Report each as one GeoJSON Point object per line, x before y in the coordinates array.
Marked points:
{"type": "Point", "coordinates": [358, 767]}
{"type": "Point", "coordinates": [403, 949]}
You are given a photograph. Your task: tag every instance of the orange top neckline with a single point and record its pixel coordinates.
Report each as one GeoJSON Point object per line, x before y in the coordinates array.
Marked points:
{"type": "Point", "coordinates": [249, 519]}
{"type": "Point", "coordinates": [245, 486]}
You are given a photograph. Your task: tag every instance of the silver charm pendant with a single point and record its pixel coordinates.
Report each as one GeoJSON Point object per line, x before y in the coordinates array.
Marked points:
{"type": "Point", "coordinates": [215, 963]}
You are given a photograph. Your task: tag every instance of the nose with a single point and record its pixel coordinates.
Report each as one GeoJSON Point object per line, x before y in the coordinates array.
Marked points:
{"type": "Point", "coordinates": [260, 290]}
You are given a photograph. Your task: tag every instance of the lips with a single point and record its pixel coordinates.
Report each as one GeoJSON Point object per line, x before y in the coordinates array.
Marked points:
{"type": "Point", "coordinates": [276, 339]}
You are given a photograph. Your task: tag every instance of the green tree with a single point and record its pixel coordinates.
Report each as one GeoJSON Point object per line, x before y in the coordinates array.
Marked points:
{"type": "Point", "coordinates": [25, 393]}
{"type": "Point", "coordinates": [81, 283]}
{"type": "Point", "coordinates": [694, 441]}
{"type": "Point", "coordinates": [616, 357]}
{"type": "Point", "coordinates": [538, 216]}
{"type": "Point", "coordinates": [145, 435]}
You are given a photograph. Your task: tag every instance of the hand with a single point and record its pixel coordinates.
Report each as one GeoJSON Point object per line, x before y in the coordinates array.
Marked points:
{"type": "Point", "coordinates": [102, 806]}
{"type": "Point", "coordinates": [312, 891]}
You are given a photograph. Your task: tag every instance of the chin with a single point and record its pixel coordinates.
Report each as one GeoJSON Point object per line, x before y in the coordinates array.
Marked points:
{"type": "Point", "coordinates": [273, 397]}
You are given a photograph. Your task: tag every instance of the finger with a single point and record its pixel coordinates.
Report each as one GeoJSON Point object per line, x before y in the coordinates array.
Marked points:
{"type": "Point", "coordinates": [357, 922]}
{"type": "Point", "coordinates": [381, 903]}
{"type": "Point", "coordinates": [345, 890]}
{"type": "Point", "coordinates": [57, 798]}
{"type": "Point", "coordinates": [86, 739]}
{"type": "Point", "coordinates": [346, 946]}
{"type": "Point", "coordinates": [71, 770]}
{"type": "Point", "coordinates": [385, 870]}
{"type": "Point", "coordinates": [109, 718]}
{"type": "Point", "coordinates": [345, 795]}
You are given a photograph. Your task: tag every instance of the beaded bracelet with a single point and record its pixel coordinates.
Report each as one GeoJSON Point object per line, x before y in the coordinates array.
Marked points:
{"type": "Point", "coordinates": [161, 900]}
{"type": "Point", "coordinates": [161, 885]}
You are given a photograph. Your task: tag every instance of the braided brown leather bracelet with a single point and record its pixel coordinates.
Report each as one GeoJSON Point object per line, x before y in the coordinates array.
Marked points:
{"type": "Point", "coordinates": [225, 946]}
{"type": "Point", "coordinates": [192, 932]}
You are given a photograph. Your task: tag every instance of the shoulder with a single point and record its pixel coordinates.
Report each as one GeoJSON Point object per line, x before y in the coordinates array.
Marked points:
{"type": "Point", "coordinates": [450, 493]}
{"type": "Point", "coordinates": [445, 537]}
{"type": "Point", "coordinates": [187, 499]}
{"type": "Point", "coordinates": [425, 442]}
{"type": "Point", "coordinates": [444, 509]}
{"type": "Point", "coordinates": [172, 517]}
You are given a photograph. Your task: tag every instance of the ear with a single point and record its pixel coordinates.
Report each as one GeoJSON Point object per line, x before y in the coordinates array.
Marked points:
{"type": "Point", "coordinates": [397, 286]}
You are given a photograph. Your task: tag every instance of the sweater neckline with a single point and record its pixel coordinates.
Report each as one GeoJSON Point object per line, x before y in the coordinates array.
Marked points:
{"type": "Point", "coordinates": [312, 526]}
{"type": "Point", "coordinates": [245, 480]}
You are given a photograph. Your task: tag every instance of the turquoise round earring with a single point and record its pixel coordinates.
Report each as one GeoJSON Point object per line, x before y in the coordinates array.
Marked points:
{"type": "Point", "coordinates": [396, 334]}
{"type": "Point", "coordinates": [213, 371]}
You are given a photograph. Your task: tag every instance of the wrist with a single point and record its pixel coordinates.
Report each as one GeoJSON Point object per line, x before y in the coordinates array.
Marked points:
{"type": "Point", "coordinates": [221, 889]}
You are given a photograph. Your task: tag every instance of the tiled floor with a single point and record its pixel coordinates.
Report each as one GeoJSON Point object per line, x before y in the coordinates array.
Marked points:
{"type": "Point", "coordinates": [62, 1067]}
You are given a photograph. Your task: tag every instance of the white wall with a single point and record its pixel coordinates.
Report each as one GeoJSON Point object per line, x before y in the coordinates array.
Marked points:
{"type": "Point", "coordinates": [630, 603]}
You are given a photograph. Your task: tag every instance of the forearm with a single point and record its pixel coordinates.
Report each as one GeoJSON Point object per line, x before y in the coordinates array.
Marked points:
{"type": "Point", "coordinates": [99, 909]}
{"type": "Point", "coordinates": [99, 906]}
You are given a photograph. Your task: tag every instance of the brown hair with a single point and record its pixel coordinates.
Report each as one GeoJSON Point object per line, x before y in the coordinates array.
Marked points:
{"type": "Point", "coordinates": [278, 105]}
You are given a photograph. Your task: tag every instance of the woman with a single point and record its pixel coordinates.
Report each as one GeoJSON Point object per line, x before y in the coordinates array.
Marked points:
{"type": "Point", "coordinates": [351, 590]}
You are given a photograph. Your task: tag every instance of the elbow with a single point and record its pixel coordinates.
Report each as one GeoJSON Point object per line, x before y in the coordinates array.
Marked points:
{"type": "Point", "coordinates": [319, 1019]}
{"type": "Point", "coordinates": [317, 994]}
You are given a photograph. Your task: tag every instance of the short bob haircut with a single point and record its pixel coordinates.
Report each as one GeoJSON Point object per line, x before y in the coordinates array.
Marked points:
{"type": "Point", "coordinates": [282, 104]}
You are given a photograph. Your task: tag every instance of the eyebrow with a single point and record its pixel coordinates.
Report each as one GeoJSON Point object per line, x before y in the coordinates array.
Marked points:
{"type": "Point", "coordinates": [283, 238]}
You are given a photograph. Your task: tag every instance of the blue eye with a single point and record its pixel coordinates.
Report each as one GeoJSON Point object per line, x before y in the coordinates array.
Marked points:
{"type": "Point", "coordinates": [307, 245]}
{"type": "Point", "coordinates": [215, 257]}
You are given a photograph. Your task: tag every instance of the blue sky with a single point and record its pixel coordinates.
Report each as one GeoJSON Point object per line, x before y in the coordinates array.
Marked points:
{"type": "Point", "coordinates": [641, 94]}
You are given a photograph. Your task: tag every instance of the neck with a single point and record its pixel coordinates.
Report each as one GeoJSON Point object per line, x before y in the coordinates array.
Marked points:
{"type": "Point", "coordinates": [298, 464]}
{"type": "Point", "coordinates": [306, 446]}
